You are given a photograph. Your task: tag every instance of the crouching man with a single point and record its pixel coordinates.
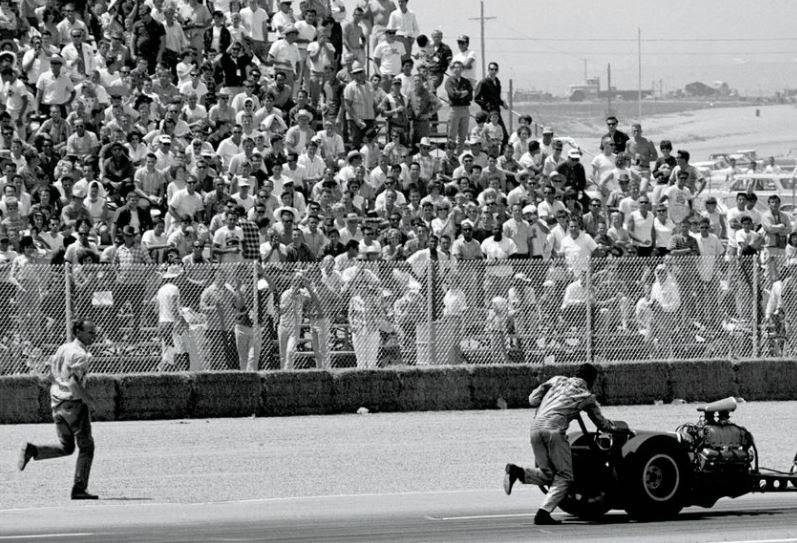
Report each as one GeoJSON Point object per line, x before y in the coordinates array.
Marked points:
{"type": "Point", "coordinates": [559, 400]}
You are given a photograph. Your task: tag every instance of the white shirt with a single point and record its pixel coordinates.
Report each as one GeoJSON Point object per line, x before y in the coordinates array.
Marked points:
{"type": "Point", "coordinates": [498, 250]}
{"type": "Point", "coordinates": [577, 251]}
{"type": "Point", "coordinates": [253, 22]}
{"type": "Point", "coordinates": [286, 55]}
{"type": "Point", "coordinates": [168, 298]}
{"type": "Point", "coordinates": [390, 55]}
{"type": "Point", "coordinates": [666, 294]}
{"type": "Point", "coordinates": [406, 24]}
{"type": "Point", "coordinates": [467, 73]}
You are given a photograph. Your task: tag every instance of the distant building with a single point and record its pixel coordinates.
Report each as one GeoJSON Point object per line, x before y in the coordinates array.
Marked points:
{"type": "Point", "coordinates": [715, 89]}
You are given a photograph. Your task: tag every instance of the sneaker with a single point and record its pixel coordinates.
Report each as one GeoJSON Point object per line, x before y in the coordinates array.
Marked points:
{"type": "Point", "coordinates": [544, 518]}
{"type": "Point", "coordinates": [83, 495]}
{"type": "Point", "coordinates": [26, 453]}
{"type": "Point", "coordinates": [513, 473]}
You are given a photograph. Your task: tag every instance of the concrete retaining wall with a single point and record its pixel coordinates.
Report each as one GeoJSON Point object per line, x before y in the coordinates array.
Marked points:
{"type": "Point", "coordinates": [234, 394]}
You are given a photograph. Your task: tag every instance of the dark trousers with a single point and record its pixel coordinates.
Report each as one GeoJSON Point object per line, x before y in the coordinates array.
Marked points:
{"type": "Point", "coordinates": [356, 133]}
{"type": "Point", "coordinates": [134, 294]}
{"type": "Point", "coordinates": [73, 425]}
{"type": "Point", "coordinates": [220, 350]}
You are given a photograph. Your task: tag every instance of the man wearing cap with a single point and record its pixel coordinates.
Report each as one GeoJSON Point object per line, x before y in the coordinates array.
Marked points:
{"type": "Point", "coordinates": [546, 142]}
{"type": "Point", "coordinates": [558, 401]}
{"type": "Point", "coordinates": [387, 57]}
{"type": "Point", "coordinates": [467, 57]}
{"type": "Point", "coordinates": [575, 175]}
{"type": "Point", "coordinates": [217, 37]}
{"type": "Point", "coordinates": [358, 98]}
{"type": "Point", "coordinates": [460, 95]}
{"type": "Point", "coordinates": [284, 56]}
{"type": "Point", "coordinates": [54, 88]}
{"type": "Point", "coordinates": [131, 277]}
{"type": "Point", "coordinates": [376, 19]}
{"type": "Point", "coordinates": [255, 20]}
{"type": "Point", "coordinates": [394, 108]}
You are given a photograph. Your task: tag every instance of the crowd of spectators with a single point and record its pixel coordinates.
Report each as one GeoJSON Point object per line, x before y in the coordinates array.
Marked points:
{"type": "Point", "coordinates": [179, 133]}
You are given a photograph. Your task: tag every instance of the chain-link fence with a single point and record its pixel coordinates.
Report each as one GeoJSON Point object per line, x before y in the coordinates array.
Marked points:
{"type": "Point", "coordinates": [341, 313]}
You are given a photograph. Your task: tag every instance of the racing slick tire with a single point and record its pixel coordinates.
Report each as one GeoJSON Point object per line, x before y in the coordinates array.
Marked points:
{"type": "Point", "coordinates": [656, 480]}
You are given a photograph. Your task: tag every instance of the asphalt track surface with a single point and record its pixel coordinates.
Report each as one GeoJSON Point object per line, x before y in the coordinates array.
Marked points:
{"type": "Point", "coordinates": [384, 477]}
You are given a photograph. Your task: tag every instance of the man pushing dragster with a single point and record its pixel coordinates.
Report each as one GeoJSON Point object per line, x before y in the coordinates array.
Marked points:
{"type": "Point", "coordinates": [558, 401]}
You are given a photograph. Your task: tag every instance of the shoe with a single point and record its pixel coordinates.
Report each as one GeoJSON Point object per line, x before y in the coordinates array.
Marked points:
{"type": "Point", "coordinates": [513, 473]}
{"type": "Point", "coordinates": [26, 453]}
{"type": "Point", "coordinates": [544, 518]}
{"type": "Point", "coordinates": [83, 495]}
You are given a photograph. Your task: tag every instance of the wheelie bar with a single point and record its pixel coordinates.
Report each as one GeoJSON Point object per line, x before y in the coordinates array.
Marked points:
{"type": "Point", "coordinates": [773, 483]}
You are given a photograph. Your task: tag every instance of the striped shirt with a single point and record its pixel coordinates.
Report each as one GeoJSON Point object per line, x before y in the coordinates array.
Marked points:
{"type": "Point", "coordinates": [559, 400]}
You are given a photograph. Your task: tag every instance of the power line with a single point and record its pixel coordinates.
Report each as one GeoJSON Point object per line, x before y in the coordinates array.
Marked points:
{"type": "Point", "coordinates": [646, 40]}
{"type": "Point", "coordinates": [644, 53]}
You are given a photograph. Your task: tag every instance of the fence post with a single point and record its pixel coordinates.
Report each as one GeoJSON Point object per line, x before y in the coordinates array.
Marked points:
{"type": "Point", "coordinates": [755, 324]}
{"type": "Point", "coordinates": [68, 300]}
{"type": "Point", "coordinates": [255, 317]}
{"type": "Point", "coordinates": [588, 286]}
{"type": "Point", "coordinates": [430, 312]}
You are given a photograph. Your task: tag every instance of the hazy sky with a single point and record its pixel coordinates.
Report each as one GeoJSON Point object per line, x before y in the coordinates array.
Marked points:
{"type": "Point", "coordinates": [543, 44]}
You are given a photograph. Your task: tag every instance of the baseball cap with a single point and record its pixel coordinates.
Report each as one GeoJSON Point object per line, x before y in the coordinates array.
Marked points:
{"type": "Point", "coordinates": [573, 153]}
{"type": "Point", "coordinates": [290, 29]}
{"type": "Point", "coordinates": [357, 67]}
{"type": "Point", "coordinates": [163, 138]}
{"type": "Point", "coordinates": [463, 37]}
{"type": "Point", "coordinates": [426, 142]}
{"type": "Point", "coordinates": [547, 130]}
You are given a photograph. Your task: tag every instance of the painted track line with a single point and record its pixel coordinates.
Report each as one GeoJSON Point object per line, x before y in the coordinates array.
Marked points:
{"type": "Point", "coordinates": [46, 536]}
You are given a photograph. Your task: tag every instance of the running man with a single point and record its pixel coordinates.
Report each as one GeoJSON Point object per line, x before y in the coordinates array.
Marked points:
{"type": "Point", "coordinates": [71, 404]}
{"type": "Point", "coordinates": [558, 401]}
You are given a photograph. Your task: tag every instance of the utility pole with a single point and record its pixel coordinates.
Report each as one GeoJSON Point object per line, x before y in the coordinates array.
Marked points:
{"type": "Point", "coordinates": [609, 84]}
{"type": "Point", "coordinates": [639, 80]}
{"type": "Point", "coordinates": [481, 18]}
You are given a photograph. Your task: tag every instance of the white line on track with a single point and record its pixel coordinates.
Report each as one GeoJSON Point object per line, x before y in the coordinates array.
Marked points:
{"type": "Point", "coordinates": [112, 503]}
{"type": "Point", "coordinates": [47, 536]}
{"type": "Point", "coordinates": [478, 517]}
{"type": "Point", "coordinates": [788, 540]}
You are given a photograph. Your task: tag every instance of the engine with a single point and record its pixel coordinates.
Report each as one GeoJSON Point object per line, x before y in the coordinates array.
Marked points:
{"type": "Point", "coordinates": [718, 446]}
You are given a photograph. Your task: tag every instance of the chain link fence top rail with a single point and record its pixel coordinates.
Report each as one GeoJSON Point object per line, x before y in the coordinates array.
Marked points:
{"type": "Point", "coordinates": [348, 313]}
